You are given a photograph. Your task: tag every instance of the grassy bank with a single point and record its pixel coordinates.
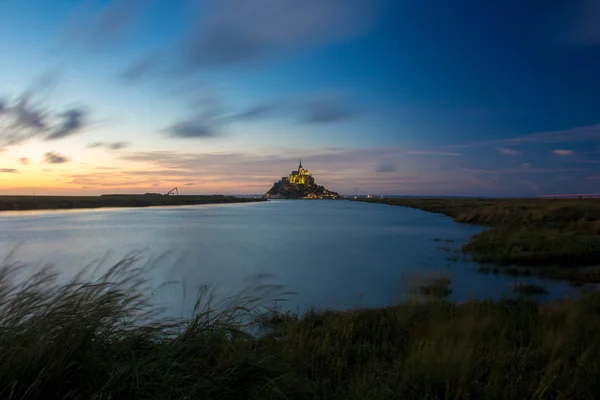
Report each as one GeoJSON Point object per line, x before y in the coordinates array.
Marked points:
{"type": "Point", "coordinates": [102, 340]}
{"type": "Point", "coordinates": [535, 233]}
{"type": "Point", "coordinates": [14, 203]}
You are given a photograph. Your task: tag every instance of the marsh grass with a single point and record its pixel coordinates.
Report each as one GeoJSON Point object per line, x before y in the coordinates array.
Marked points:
{"type": "Point", "coordinates": [529, 289]}
{"type": "Point", "coordinates": [103, 339]}
{"type": "Point", "coordinates": [19, 203]}
{"type": "Point", "coordinates": [543, 234]}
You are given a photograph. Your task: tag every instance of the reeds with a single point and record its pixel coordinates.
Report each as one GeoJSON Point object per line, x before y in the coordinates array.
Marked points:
{"type": "Point", "coordinates": [102, 338]}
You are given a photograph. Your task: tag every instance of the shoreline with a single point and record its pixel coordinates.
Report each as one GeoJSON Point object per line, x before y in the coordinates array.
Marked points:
{"type": "Point", "coordinates": [39, 203]}
{"type": "Point", "coordinates": [554, 238]}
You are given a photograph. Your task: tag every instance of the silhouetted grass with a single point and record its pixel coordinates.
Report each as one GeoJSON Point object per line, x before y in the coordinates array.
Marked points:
{"type": "Point", "coordinates": [14, 203]}
{"type": "Point", "coordinates": [529, 289]}
{"type": "Point", "coordinates": [103, 339]}
{"type": "Point", "coordinates": [526, 232]}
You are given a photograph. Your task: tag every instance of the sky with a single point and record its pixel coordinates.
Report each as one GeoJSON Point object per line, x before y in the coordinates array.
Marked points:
{"type": "Point", "coordinates": [404, 97]}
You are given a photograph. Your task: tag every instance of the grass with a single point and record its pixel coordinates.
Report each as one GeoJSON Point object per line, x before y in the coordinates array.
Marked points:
{"type": "Point", "coordinates": [545, 233]}
{"type": "Point", "coordinates": [529, 289]}
{"type": "Point", "coordinates": [102, 339]}
{"type": "Point", "coordinates": [19, 203]}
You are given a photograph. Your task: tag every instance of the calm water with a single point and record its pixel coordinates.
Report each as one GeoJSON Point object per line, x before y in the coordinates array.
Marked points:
{"type": "Point", "coordinates": [332, 253]}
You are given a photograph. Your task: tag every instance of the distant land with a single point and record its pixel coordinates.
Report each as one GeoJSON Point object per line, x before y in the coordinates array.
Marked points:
{"type": "Point", "coordinates": [21, 203]}
{"type": "Point", "coordinates": [300, 184]}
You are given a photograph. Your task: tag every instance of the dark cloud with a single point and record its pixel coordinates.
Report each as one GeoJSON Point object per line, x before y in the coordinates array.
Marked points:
{"type": "Point", "coordinates": [72, 122]}
{"type": "Point", "coordinates": [8, 170]}
{"type": "Point", "coordinates": [118, 145]}
{"type": "Point", "coordinates": [257, 111]}
{"type": "Point", "coordinates": [25, 117]}
{"type": "Point", "coordinates": [140, 68]}
{"type": "Point", "coordinates": [24, 160]}
{"type": "Point", "coordinates": [580, 134]}
{"type": "Point", "coordinates": [110, 146]}
{"type": "Point", "coordinates": [97, 23]}
{"type": "Point", "coordinates": [234, 32]}
{"type": "Point", "coordinates": [237, 33]}
{"type": "Point", "coordinates": [386, 166]}
{"type": "Point", "coordinates": [191, 129]}
{"type": "Point", "coordinates": [55, 158]}
{"type": "Point", "coordinates": [322, 111]}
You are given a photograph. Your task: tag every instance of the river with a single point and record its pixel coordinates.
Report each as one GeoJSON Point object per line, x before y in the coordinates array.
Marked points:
{"type": "Point", "coordinates": [336, 254]}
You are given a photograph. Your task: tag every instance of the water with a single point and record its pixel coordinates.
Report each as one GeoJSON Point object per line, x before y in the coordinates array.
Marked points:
{"type": "Point", "coordinates": [331, 253]}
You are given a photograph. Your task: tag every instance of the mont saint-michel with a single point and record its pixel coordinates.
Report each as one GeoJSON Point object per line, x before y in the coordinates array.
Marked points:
{"type": "Point", "coordinates": [300, 184]}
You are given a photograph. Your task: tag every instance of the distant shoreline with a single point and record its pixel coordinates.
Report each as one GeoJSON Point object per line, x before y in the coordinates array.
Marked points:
{"type": "Point", "coordinates": [31, 203]}
{"type": "Point", "coordinates": [550, 236]}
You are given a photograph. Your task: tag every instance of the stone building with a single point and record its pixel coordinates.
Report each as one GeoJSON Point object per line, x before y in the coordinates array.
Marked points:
{"type": "Point", "coordinates": [301, 176]}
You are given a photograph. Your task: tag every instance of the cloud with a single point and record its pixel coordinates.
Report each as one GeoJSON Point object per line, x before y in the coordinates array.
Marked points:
{"type": "Point", "coordinates": [238, 33]}
{"type": "Point", "coordinates": [140, 68]}
{"type": "Point", "coordinates": [589, 133]}
{"type": "Point", "coordinates": [118, 145]}
{"type": "Point", "coordinates": [507, 152]}
{"type": "Point", "coordinates": [432, 153]}
{"type": "Point", "coordinates": [54, 158]}
{"type": "Point", "coordinates": [73, 121]}
{"type": "Point", "coordinates": [8, 170]}
{"type": "Point", "coordinates": [326, 110]}
{"type": "Point", "coordinates": [95, 24]}
{"type": "Point", "coordinates": [110, 146]}
{"type": "Point", "coordinates": [191, 129]}
{"type": "Point", "coordinates": [25, 118]}
{"type": "Point", "coordinates": [385, 166]}
{"type": "Point", "coordinates": [233, 31]}
{"type": "Point", "coordinates": [526, 165]}
{"type": "Point", "coordinates": [24, 160]}
{"type": "Point", "coordinates": [562, 152]}
{"type": "Point", "coordinates": [254, 112]}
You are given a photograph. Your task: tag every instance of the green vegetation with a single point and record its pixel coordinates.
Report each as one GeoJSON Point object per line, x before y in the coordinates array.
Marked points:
{"type": "Point", "coordinates": [102, 340]}
{"type": "Point", "coordinates": [526, 232]}
{"type": "Point", "coordinates": [13, 203]}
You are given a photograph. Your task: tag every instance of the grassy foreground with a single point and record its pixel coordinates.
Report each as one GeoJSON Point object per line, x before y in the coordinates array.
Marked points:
{"type": "Point", "coordinates": [13, 203]}
{"type": "Point", "coordinates": [535, 233]}
{"type": "Point", "coordinates": [102, 340]}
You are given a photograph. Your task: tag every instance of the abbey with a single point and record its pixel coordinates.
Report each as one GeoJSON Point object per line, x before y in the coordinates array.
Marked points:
{"type": "Point", "coordinates": [301, 176]}
{"type": "Point", "coordinates": [299, 185]}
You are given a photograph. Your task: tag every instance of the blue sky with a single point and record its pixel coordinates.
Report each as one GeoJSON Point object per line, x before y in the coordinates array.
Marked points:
{"type": "Point", "coordinates": [396, 97]}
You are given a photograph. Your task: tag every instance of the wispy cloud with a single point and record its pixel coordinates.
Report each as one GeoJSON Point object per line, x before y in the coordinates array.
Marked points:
{"type": "Point", "coordinates": [326, 109]}
{"type": "Point", "coordinates": [580, 134]}
{"type": "Point", "coordinates": [8, 170]}
{"type": "Point", "coordinates": [386, 166]}
{"type": "Point", "coordinates": [192, 129]}
{"type": "Point", "coordinates": [110, 146]}
{"type": "Point", "coordinates": [562, 152]}
{"type": "Point", "coordinates": [432, 153]}
{"type": "Point", "coordinates": [94, 23]}
{"type": "Point", "coordinates": [26, 117]}
{"type": "Point", "coordinates": [24, 160]}
{"type": "Point", "coordinates": [505, 151]}
{"type": "Point", "coordinates": [55, 158]}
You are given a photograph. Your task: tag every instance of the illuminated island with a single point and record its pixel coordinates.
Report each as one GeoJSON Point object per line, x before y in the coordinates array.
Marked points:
{"type": "Point", "coordinates": [299, 185]}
